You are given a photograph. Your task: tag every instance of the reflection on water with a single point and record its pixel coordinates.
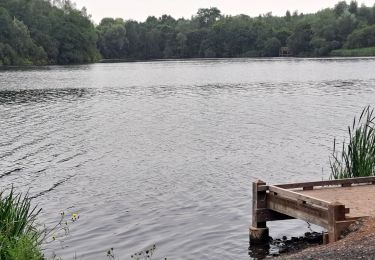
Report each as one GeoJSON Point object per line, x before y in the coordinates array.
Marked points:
{"type": "Point", "coordinates": [165, 152]}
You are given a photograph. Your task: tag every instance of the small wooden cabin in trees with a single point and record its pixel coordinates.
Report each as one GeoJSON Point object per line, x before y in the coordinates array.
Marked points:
{"type": "Point", "coordinates": [285, 52]}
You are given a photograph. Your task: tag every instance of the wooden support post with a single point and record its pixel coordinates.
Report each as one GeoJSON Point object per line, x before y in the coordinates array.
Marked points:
{"type": "Point", "coordinates": [259, 232]}
{"type": "Point", "coordinates": [336, 213]}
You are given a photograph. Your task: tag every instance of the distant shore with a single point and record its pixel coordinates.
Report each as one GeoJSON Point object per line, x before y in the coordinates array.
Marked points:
{"type": "Point", "coordinates": [342, 53]}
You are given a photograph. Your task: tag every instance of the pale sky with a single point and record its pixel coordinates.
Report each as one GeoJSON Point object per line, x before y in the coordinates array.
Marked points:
{"type": "Point", "coordinates": [140, 9]}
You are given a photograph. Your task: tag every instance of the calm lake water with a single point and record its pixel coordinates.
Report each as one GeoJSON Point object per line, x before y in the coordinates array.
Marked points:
{"type": "Point", "coordinates": [165, 152]}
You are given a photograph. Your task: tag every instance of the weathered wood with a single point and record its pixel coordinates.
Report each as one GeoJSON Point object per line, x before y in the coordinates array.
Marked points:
{"type": "Point", "coordinates": [344, 224]}
{"type": "Point", "coordinates": [336, 214]}
{"type": "Point", "coordinates": [262, 188]}
{"type": "Point", "coordinates": [361, 180]}
{"type": "Point", "coordinates": [297, 196]}
{"type": "Point", "coordinates": [259, 232]}
{"type": "Point", "coordinates": [311, 213]}
{"type": "Point", "coordinates": [259, 202]}
{"type": "Point", "coordinates": [287, 201]}
{"type": "Point", "coordinates": [264, 215]}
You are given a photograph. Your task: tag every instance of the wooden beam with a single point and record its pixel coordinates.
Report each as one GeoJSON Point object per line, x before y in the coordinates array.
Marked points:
{"type": "Point", "coordinates": [298, 196]}
{"type": "Point", "coordinates": [361, 180]}
{"type": "Point", "coordinates": [259, 202]}
{"type": "Point", "coordinates": [291, 207]}
{"type": "Point", "coordinates": [336, 218]}
{"type": "Point", "coordinates": [258, 232]}
{"type": "Point", "coordinates": [264, 215]}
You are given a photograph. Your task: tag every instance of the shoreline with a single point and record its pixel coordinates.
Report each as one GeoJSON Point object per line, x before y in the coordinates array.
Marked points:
{"type": "Point", "coordinates": [357, 243]}
{"type": "Point", "coordinates": [46, 66]}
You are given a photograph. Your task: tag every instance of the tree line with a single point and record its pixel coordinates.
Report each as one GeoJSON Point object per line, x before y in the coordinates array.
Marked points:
{"type": "Point", "coordinates": [55, 32]}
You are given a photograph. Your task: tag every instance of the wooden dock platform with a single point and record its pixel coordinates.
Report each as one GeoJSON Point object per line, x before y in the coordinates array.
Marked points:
{"type": "Point", "coordinates": [333, 205]}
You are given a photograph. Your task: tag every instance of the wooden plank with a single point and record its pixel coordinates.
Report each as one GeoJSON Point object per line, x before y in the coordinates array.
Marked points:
{"type": "Point", "coordinates": [259, 202]}
{"type": "Point", "coordinates": [262, 187]}
{"type": "Point", "coordinates": [336, 213]}
{"type": "Point", "coordinates": [264, 215]}
{"type": "Point", "coordinates": [361, 180]}
{"type": "Point", "coordinates": [311, 213]}
{"type": "Point", "coordinates": [344, 224]}
{"type": "Point", "coordinates": [299, 197]}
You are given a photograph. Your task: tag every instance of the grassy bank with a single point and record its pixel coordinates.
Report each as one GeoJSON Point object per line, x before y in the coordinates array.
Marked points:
{"type": "Point", "coordinates": [361, 52]}
{"type": "Point", "coordinates": [19, 238]}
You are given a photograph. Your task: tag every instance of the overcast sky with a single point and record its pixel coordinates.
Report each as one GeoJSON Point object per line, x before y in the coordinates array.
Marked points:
{"type": "Point", "coordinates": [140, 9]}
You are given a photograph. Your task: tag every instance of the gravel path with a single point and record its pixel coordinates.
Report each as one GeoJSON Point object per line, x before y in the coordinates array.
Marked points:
{"type": "Point", "coordinates": [358, 244]}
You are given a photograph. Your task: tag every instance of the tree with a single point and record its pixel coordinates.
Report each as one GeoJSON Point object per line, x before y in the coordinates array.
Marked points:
{"type": "Point", "coordinates": [272, 47]}
{"type": "Point", "coordinates": [112, 40]}
{"type": "Point", "coordinates": [181, 39]}
{"type": "Point", "coordinates": [299, 41]}
{"type": "Point", "coordinates": [41, 32]}
{"type": "Point", "coordinates": [353, 7]}
{"type": "Point", "coordinates": [288, 16]}
{"type": "Point", "coordinates": [360, 38]}
{"type": "Point", "coordinates": [340, 8]}
{"type": "Point", "coordinates": [208, 16]}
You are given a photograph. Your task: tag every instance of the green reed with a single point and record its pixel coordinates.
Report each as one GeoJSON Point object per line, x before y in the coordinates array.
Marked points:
{"type": "Point", "coordinates": [357, 157]}
{"type": "Point", "coordinates": [18, 234]}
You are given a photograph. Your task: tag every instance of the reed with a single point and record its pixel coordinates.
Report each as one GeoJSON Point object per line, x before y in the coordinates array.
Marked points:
{"type": "Point", "coordinates": [357, 157]}
{"type": "Point", "coordinates": [19, 238]}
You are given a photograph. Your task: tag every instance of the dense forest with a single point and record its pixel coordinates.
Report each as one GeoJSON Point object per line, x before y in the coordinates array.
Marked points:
{"type": "Point", "coordinates": [45, 32]}
{"type": "Point", "coordinates": [55, 32]}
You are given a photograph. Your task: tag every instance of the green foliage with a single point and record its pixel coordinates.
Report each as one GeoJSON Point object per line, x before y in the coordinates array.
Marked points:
{"type": "Point", "coordinates": [55, 32]}
{"type": "Point", "coordinates": [18, 235]}
{"type": "Point", "coordinates": [37, 32]}
{"type": "Point", "coordinates": [210, 34]}
{"type": "Point", "coordinates": [24, 247]}
{"type": "Point", "coordinates": [112, 41]}
{"type": "Point", "coordinates": [360, 38]}
{"type": "Point", "coordinates": [357, 157]}
{"type": "Point", "coordinates": [361, 52]}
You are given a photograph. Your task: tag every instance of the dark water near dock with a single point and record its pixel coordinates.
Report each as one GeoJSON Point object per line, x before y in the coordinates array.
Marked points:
{"type": "Point", "coordinates": [165, 152]}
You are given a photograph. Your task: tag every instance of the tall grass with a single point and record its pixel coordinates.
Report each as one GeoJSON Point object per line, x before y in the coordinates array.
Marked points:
{"type": "Point", "coordinates": [357, 157]}
{"type": "Point", "coordinates": [19, 238]}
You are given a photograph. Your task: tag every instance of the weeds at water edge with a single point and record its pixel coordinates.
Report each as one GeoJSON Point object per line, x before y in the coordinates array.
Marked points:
{"type": "Point", "coordinates": [357, 157]}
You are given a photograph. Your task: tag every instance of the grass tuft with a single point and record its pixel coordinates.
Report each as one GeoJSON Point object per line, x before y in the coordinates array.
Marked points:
{"type": "Point", "coordinates": [357, 158]}
{"type": "Point", "coordinates": [19, 239]}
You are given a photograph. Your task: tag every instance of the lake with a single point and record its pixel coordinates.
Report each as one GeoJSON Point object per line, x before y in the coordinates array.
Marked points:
{"type": "Point", "coordinates": [165, 152]}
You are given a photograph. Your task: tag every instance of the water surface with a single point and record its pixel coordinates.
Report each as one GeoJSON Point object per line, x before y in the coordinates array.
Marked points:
{"type": "Point", "coordinates": [165, 152]}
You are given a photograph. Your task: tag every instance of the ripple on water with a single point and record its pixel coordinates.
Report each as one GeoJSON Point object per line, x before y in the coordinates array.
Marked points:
{"type": "Point", "coordinates": [165, 152]}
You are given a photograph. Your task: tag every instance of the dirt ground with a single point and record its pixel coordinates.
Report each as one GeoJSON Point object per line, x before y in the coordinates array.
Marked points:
{"type": "Point", "coordinates": [359, 243]}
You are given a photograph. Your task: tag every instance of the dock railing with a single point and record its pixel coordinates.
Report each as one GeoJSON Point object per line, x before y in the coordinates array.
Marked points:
{"type": "Point", "coordinates": [280, 202]}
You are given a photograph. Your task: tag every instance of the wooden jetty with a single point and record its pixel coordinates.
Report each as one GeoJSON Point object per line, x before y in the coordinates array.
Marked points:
{"type": "Point", "coordinates": [333, 205]}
